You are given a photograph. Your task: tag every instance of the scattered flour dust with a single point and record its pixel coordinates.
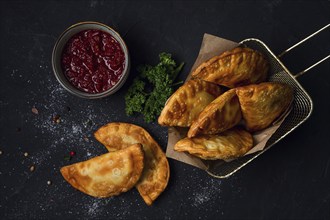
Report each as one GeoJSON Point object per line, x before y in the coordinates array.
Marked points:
{"type": "Point", "coordinates": [75, 129]}
{"type": "Point", "coordinates": [207, 192]}
{"type": "Point", "coordinates": [93, 206]}
{"type": "Point", "coordinates": [74, 132]}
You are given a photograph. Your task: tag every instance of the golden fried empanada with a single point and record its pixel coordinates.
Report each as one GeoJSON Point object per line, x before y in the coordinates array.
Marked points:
{"type": "Point", "coordinates": [229, 144]}
{"type": "Point", "coordinates": [221, 114]}
{"type": "Point", "coordinates": [187, 102]}
{"type": "Point", "coordinates": [261, 104]}
{"type": "Point", "coordinates": [107, 175]}
{"type": "Point", "coordinates": [156, 171]}
{"type": "Point", "coordinates": [237, 67]}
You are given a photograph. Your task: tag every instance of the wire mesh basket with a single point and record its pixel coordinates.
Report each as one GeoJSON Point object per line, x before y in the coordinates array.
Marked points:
{"type": "Point", "coordinates": [302, 105]}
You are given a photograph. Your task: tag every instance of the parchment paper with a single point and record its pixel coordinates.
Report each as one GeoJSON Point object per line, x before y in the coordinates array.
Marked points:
{"type": "Point", "coordinates": [212, 46]}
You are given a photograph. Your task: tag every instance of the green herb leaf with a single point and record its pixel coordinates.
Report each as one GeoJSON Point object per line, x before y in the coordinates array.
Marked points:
{"type": "Point", "coordinates": [150, 90]}
{"type": "Point", "coordinates": [67, 158]}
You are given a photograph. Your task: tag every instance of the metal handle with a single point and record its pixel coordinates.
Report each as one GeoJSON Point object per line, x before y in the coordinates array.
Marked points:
{"type": "Point", "coordinates": [302, 41]}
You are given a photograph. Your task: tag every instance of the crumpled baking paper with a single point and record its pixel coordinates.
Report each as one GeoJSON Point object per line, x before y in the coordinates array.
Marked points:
{"type": "Point", "coordinates": [212, 46]}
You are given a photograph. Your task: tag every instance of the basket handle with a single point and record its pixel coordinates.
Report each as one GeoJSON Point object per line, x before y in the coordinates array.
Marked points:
{"type": "Point", "coordinates": [302, 41]}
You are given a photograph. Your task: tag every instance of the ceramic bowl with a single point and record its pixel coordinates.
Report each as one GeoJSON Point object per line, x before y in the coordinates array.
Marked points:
{"type": "Point", "coordinates": [57, 54]}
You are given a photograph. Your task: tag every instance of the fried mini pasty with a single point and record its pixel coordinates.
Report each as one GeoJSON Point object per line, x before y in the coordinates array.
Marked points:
{"type": "Point", "coordinates": [221, 114]}
{"type": "Point", "coordinates": [262, 103]}
{"type": "Point", "coordinates": [107, 175]}
{"type": "Point", "coordinates": [229, 144]}
{"type": "Point", "coordinates": [187, 102]}
{"type": "Point", "coordinates": [237, 67]}
{"type": "Point", "coordinates": [156, 173]}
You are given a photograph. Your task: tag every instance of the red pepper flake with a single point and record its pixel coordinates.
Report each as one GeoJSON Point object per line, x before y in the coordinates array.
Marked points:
{"type": "Point", "coordinates": [57, 119]}
{"type": "Point", "coordinates": [71, 155]}
{"type": "Point", "coordinates": [35, 110]}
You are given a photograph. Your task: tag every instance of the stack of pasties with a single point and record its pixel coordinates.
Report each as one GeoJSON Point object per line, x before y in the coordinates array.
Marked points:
{"type": "Point", "coordinates": [135, 159]}
{"type": "Point", "coordinates": [213, 126]}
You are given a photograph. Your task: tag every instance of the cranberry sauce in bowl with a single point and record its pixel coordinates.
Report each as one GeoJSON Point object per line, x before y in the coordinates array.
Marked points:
{"type": "Point", "coordinates": [90, 60]}
{"type": "Point", "coordinates": [93, 61]}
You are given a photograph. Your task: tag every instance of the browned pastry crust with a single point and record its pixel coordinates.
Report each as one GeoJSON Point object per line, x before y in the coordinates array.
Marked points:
{"type": "Point", "coordinates": [237, 67]}
{"type": "Point", "coordinates": [221, 114]}
{"type": "Point", "coordinates": [107, 175]}
{"type": "Point", "coordinates": [156, 173]}
{"type": "Point", "coordinates": [187, 102]}
{"type": "Point", "coordinates": [262, 103]}
{"type": "Point", "coordinates": [229, 144]}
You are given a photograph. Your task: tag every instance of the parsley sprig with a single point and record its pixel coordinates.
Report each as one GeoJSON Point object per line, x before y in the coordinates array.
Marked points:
{"type": "Point", "coordinates": [150, 90]}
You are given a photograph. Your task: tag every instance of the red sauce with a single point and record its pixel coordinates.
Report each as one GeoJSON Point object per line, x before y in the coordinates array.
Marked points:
{"type": "Point", "coordinates": [93, 61]}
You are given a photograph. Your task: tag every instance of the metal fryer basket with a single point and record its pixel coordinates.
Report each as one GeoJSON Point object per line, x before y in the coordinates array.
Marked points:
{"type": "Point", "coordinates": [302, 106]}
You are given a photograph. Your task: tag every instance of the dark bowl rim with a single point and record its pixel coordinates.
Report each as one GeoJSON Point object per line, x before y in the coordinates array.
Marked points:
{"type": "Point", "coordinates": [75, 91]}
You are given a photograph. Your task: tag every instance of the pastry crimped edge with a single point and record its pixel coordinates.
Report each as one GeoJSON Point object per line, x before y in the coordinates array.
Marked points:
{"type": "Point", "coordinates": [173, 111]}
{"type": "Point", "coordinates": [193, 147]}
{"type": "Point", "coordinates": [76, 180]}
{"type": "Point", "coordinates": [145, 139]}
{"type": "Point", "coordinates": [219, 78]}
{"type": "Point", "coordinates": [211, 111]}
{"type": "Point", "coordinates": [245, 96]}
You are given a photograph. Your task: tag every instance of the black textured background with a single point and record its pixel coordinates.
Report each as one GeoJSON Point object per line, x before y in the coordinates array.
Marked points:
{"type": "Point", "coordinates": [290, 181]}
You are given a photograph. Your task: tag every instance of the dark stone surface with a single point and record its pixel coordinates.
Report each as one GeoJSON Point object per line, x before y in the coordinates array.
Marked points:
{"type": "Point", "coordinates": [290, 181]}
